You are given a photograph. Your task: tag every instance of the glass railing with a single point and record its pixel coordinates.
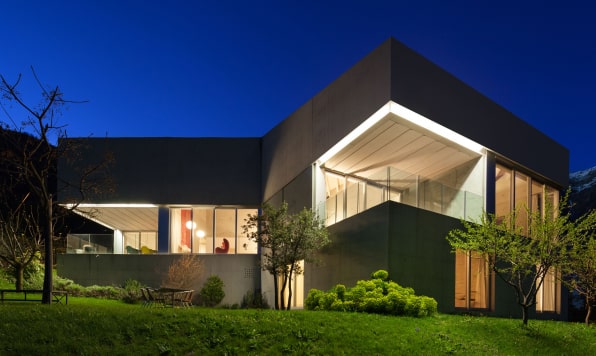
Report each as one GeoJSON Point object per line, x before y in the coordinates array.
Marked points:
{"type": "Point", "coordinates": [391, 184]}
{"type": "Point", "coordinates": [90, 243]}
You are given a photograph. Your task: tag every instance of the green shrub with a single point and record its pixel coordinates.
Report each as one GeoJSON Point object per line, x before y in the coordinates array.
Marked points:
{"type": "Point", "coordinates": [340, 290]}
{"type": "Point", "coordinates": [380, 274]}
{"type": "Point", "coordinates": [212, 292]}
{"type": "Point", "coordinates": [312, 299]}
{"type": "Point", "coordinates": [367, 285]}
{"type": "Point", "coordinates": [413, 306]}
{"type": "Point", "coordinates": [76, 290]}
{"type": "Point", "coordinates": [33, 274]}
{"type": "Point", "coordinates": [131, 292]}
{"type": "Point", "coordinates": [337, 305]}
{"type": "Point", "coordinates": [429, 306]}
{"type": "Point", "coordinates": [327, 300]}
{"type": "Point", "coordinates": [107, 292]}
{"type": "Point", "coordinates": [396, 303]}
{"type": "Point", "coordinates": [372, 305]}
{"type": "Point", "coordinates": [378, 295]}
{"type": "Point", "coordinates": [349, 306]}
{"type": "Point", "coordinates": [62, 283]}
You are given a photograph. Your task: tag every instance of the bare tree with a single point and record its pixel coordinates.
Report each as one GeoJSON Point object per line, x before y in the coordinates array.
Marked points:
{"type": "Point", "coordinates": [184, 272]}
{"type": "Point", "coordinates": [33, 155]}
{"type": "Point", "coordinates": [20, 238]}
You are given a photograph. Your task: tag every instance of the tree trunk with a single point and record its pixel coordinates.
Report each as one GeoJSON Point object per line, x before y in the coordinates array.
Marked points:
{"type": "Point", "coordinates": [588, 311]}
{"type": "Point", "coordinates": [19, 272]}
{"type": "Point", "coordinates": [283, 291]}
{"type": "Point", "coordinates": [525, 315]}
{"type": "Point", "coordinates": [275, 294]}
{"type": "Point", "coordinates": [48, 233]}
{"type": "Point", "coordinates": [289, 306]}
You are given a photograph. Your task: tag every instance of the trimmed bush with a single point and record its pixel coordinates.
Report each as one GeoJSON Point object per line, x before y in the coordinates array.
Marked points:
{"type": "Point", "coordinates": [212, 292]}
{"type": "Point", "coordinates": [413, 306]}
{"type": "Point", "coordinates": [327, 300]}
{"type": "Point", "coordinates": [313, 298]}
{"type": "Point", "coordinates": [340, 290]}
{"type": "Point", "coordinates": [380, 274]}
{"type": "Point", "coordinates": [378, 295]}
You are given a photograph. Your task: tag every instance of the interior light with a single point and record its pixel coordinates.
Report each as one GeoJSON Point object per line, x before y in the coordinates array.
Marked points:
{"type": "Point", "coordinates": [200, 234]}
{"type": "Point", "coordinates": [191, 224]}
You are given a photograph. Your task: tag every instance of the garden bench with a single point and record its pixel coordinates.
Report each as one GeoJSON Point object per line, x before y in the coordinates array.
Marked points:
{"type": "Point", "coordinates": [58, 296]}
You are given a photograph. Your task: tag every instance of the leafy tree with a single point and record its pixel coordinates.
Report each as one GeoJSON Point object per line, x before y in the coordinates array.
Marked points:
{"type": "Point", "coordinates": [30, 155]}
{"type": "Point", "coordinates": [286, 240]}
{"type": "Point", "coordinates": [520, 257]}
{"type": "Point", "coordinates": [580, 267]}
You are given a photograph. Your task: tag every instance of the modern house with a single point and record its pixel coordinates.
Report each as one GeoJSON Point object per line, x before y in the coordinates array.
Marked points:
{"type": "Point", "coordinates": [392, 155]}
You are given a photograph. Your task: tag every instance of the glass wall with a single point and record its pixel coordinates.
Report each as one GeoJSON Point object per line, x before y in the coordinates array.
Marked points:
{"type": "Point", "coordinates": [136, 242]}
{"type": "Point", "coordinates": [457, 193]}
{"type": "Point", "coordinates": [89, 243]}
{"type": "Point", "coordinates": [472, 281]}
{"type": "Point", "coordinates": [243, 243]}
{"type": "Point", "coordinates": [210, 230]}
{"type": "Point", "coordinates": [521, 200]}
{"type": "Point", "coordinates": [203, 230]}
{"type": "Point", "coordinates": [529, 195]}
{"type": "Point", "coordinates": [547, 295]}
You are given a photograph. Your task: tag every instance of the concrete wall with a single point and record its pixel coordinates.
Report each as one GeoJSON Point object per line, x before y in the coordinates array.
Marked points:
{"type": "Point", "coordinates": [407, 242]}
{"type": "Point", "coordinates": [394, 72]}
{"type": "Point", "coordinates": [240, 273]}
{"type": "Point", "coordinates": [314, 128]}
{"type": "Point", "coordinates": [222, 171]}
{"type": "Point", "coordinates": [425, 88]}
{"type": "Point", "coordinates": [410, 244]}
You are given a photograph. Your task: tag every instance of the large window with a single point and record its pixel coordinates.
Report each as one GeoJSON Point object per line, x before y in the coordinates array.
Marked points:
{"type": "Point", "coordinates": [203, 230]}
{"type": "Point", "coordinates": [521, 200]}
{"type": "Point", "coordinates": [136, 242]}
{"type": "Point", "coordinates": [529, 196]}
{"type": "Point", "coordinates": [547, 295]}
{"type": "Point", "coordinates": [210, 230]}
{"type": "Point", "coordinates": [472, 281]}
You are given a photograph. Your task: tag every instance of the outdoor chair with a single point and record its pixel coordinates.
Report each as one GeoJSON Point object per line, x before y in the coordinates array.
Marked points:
{"type": "Point", "coordinates": [183, 298]}
{"type": "Point", "coordinates": [155, 297]}
{"type": "Point", "coordinates": [187, 299]}
{"type": "Point", "coordinates": [147, 301]}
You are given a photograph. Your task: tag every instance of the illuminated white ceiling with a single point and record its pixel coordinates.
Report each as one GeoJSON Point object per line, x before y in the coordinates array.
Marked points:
{"type": "Point", "coordinates": [124, 218]}
{"type": "Point", "coordinates": [399, 143]}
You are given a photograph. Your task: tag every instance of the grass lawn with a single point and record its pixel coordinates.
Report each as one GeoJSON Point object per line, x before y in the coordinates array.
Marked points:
{"type": "Point", "coordinates": [88, 326]}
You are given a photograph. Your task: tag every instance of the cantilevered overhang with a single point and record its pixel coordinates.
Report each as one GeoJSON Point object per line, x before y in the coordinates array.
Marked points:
{"type": "Point", "coordinates": [123, 217]}
{"type": "Point", "coordinates": [397, 137]}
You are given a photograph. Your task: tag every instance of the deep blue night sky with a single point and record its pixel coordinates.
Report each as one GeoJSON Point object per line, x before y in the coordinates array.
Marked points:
{"type": "Point", "coordinates": [236, 68]}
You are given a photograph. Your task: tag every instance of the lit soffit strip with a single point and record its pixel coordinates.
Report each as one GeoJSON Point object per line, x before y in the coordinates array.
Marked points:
{"type": "Point", "coordinates": [83, 206]}
{"type": "Point", "coordinates": [408, 115]}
